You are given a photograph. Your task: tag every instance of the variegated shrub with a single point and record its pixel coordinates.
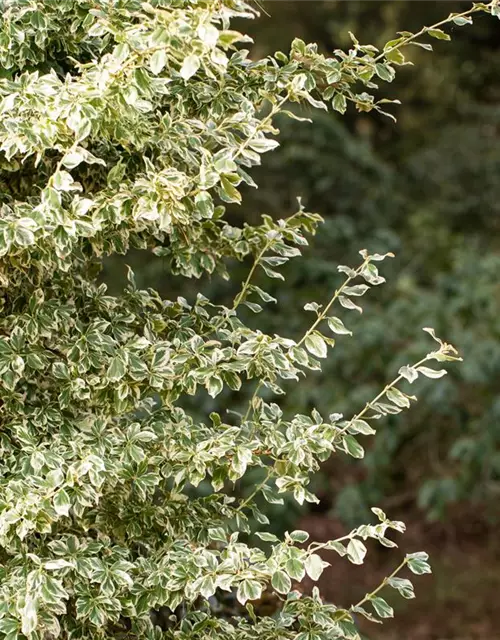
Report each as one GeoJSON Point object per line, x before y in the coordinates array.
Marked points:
{"type": "Point", "coordinates": [128, 124]}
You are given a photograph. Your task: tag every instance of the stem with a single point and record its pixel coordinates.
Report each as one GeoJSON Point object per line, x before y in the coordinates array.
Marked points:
{"type": "Point", "coordinates": [239, 298]}
{"type": "Point", "coordinates": [315, 546]}
{"type": "Point", "coordinates": [337, 293]}
{"type": "Point", "coordinates": [59, 165]}
{"type": "Point", "coordinates": [384, 582]}
{"type": "Point", "coordinates": [255, 491]}
{"type": "Point", "coordinates": [380, 395]}
{"type": "Point", "coordinates": [425, 30]}
{"type": "Point", "coordinates": [250, 403]}
{"type": "Point", "coordinates": [318, 320]}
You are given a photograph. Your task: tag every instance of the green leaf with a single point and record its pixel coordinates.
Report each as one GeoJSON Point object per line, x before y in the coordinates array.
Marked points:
{"type": "Point", "coordinates": [339, 103]}
{"type": "Point", "coordinates": [266, 536]}
{"type": "Point", "coordinates": [417, 562]}
{"type": "Point", "coordinates": [381, 607]}
{"type": "Point", "coordinates": [439, 34]}
{"type": "Point", "coordinates": [399, 399]}
{"type": "Point", "coordinates": [158, 61]}
{"type": "Point", "coordinates": [352, 447]}
{"type": "Point", "coordinates": [299, 536]}
{"type": "Point", "coordinates": [356, 290]}
{"type": "Point", "coordinates": [403, 586]}
{"type": "Point", "coordinates": [316, 345]}
{"type": "Point", "coordinates": [116, 369]}
{"type": "Point", "coordinates": [62, 503]}
{"type": "Point", "coordinates": [295, 569]}
{"type": "Point", "coordinates": [281, 582]}
{"type": "Point", "coordinates": [248, 590]}
{"type": "Point", "coordinates": [385, 72]}
{"type": "Point", "coordinates": [337, 326]}
{"type": "Point", "coordinates": [229, 191]}
{"type": "Point", "coordinates": [462, 20]}
{"type": "Point", "coordinates": [395, 56]}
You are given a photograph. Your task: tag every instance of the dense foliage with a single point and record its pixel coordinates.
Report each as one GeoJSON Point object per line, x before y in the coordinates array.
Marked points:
{"type": "Point", "coordinates": [132, 125]}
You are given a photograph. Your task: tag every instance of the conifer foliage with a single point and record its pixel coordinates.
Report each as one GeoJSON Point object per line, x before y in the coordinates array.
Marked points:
{"type": "Point", "coordinates": [128, 124]}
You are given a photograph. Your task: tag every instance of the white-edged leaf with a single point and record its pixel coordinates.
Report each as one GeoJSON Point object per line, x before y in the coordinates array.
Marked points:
{"type": "Point", "coordinates": [417, 562]}
{"type": "Point", "coordinates": [399, 398]}
{"type": "Point", "coordinates": [337, 326]}
{"type": "Point", "coordinates": [295, 569]}
{"type": "Point", "coordinates": [362, 427]}
{"type": "Point", "coordinates": [339, 103]}
{"type": "Point", "coordinates": [315, 566]}
{"type": "Point", "coordinates": [248, 590]}
{"type": "Point", "coordinates": [409, 373]}
{"type": "Point", "coordinates": [432, 373]}
{"type": "Point", "coordinates": [299, 536]}
{"type": "Point", "coordinates": [462, 20]}
{"type": "Point", "coordinates": [266, 536]}
{"type": "Point", "coordinates": [116, 369]}
{"type": "Point", "coordinates": [189, 67]}
{"type": "Point", "coordinates": [281, 582]}
{"type": "Point", "coordinates": [72, 159]}
{"type": "Point", "coordinates": [29, 616]}
{"type": "Point", "coordinates": [403, 586]}
{"type": "Point", "coordinates": [356, 290]}
{"type": "Point", "coordinates": [439, 34]}
{"type": "Point", "coordinates": [381, 607]}
{"type": "Point", "coordinates": [353, 448]}
{"type": "Point", "coordinates": [316, 345]}
{"type": "Point", "coordinates": [347, 303]}
{"type": "Point", "coordinates": [62, 503]}
{"type": "Point", "coordinates": [356, 551]}
{"type": "Point", "coordinates": [60, 563]}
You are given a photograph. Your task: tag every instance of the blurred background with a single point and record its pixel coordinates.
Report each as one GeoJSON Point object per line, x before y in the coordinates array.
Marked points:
{"type": "Point", "coordinates": [428, 189]}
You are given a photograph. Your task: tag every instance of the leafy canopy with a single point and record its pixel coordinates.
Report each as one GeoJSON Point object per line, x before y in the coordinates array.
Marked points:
{"type": "Point", "coordinates": [132, 124]}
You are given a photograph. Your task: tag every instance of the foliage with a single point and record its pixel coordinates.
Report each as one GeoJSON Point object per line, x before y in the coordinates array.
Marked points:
{"type": "Point", "coordinates": [469, 67]}
{"type": "Point", "coordinates": [445, 274]}
{"type": "Point", "coordinates": [133, 125]}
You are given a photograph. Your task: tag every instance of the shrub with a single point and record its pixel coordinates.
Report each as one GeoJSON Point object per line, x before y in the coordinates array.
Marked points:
{"type": "Point", "coordinates": [131, 125]}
